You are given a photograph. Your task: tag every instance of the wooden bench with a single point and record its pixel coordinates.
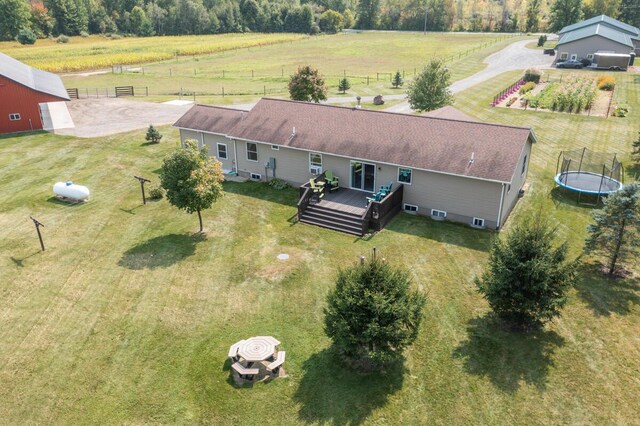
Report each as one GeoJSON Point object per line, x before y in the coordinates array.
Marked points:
{"type": "Point", "coordinates": [233, 351]}
{"type": "Point", "coordinates": [245, 373]}
{"type": "Point", "coordinates": [275, 365]}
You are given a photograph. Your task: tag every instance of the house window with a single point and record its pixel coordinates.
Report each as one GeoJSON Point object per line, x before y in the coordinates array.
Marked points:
{"type": "Point", "coordinates": [438, 213]}
{"type": "Point", "coordinates": [275, 147]}
{"type": "Point", "coordinates": [478, 222]}
{"type": "Point", "coordinates": [14, 117]}
{"type": "Point", "coordinates": [524, 165]}
{"type": "Point", "coordinates": [404, 175]}
{"type": "Point", "coordinates": [222, 151]}
{"type": "Point", "coordinates": [590, 56]}
{"type": "Point", "coordinates": [564, 56]}
{"type": "Point", "coordinates": [410, 208]}
{"type": "Point", "coordinates": [256, 176]}
{"type": "Point", "coordinates": [315, 163]}
{"type": "Point", "coordinates": [574, 56]}
{"type": "Point", "coordinates": [252, 151]}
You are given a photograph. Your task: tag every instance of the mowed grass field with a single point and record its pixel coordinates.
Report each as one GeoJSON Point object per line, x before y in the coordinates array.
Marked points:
{"type": "Point", "coordinates": [128, 315]}
{"type": "Point", "coordinates": [245, 74]}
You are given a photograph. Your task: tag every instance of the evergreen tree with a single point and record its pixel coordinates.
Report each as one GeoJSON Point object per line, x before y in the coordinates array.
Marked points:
{"type": "Point", "coordinates": [140, 23]}
{"type": "Point", "coordinates": [565, 12]}
{"type": "Point", "coordinates": [533, 15]}
{"type": "Point", "coordinates": [153, 135]}
{"type": "Point", "coordinates": [527, 279]}
{"type": "Point", "coordinates": [372, 315]}
{"type": "Point", "coordinates": [635, 150]}
{"type": "Point", "coordinates": [397, 80]}
{"type": "Point", "coordinates": [368, 14]}
{"type": "Point", "coordinates": [307, 85]}
{"type": "Point", "coordinates": [192, 179]}
{"type": "Point", "coordinates": [615, 233]}
{"type": "Point", "coordinates": [630, 12]}
{"type": "Point", "coordinates": [344, 85]}
{"type": "Point", "coordinates": [430, 89]}
{"type": "Point", "coordinates": [14, 15]}
{"type": "Point", "coordinates": [26, 36]}
{"type": "Point", "coordinates": [540, 41]}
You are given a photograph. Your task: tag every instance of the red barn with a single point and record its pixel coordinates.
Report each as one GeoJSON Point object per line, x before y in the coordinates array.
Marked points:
{"type": "Point", "coordinates": [22, 90]}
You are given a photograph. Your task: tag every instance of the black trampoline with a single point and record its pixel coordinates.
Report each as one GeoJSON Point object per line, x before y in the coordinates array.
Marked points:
{"type": "Point", "coordinates": [590, 173]}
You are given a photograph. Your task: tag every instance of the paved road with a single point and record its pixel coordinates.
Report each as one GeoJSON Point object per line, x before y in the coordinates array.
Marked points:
{"type": "Point", "coordinates": [513, 57]}
{"type": "Point", "coordinates": [108, 116]}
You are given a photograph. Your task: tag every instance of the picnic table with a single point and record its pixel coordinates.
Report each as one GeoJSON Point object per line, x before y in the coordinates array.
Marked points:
{"type": "Point", "coordinates": [258, 350]}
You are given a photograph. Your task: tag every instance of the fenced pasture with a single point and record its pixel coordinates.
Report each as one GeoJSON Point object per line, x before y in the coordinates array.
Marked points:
{"type": "Point", "coordinates": [367, 59]}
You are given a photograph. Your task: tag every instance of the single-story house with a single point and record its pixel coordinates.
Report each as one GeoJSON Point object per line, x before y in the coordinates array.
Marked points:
{"type": "Point", "coordinates": [463, 171]}
{"type": "Point", "coordinates": [27, 95]}
{"type": "Point", "coordinates": [599, 34]}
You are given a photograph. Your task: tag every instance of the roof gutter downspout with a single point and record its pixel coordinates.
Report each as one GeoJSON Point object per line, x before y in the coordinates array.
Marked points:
{"type": "Point", "coordinates": [500, 209]}
{"type": "Point", "coordinates": [235, 156]}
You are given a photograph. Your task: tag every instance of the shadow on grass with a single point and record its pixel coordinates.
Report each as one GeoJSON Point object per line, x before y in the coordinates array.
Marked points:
{"type": "Point", "coordinates": [20, 262]}
{"type": "Point", "coordinates": [262, 191]}
{"type": "Point", "coordinates": [161, 252]}
{"type": "Point", "coordinates": [606, 295]}
{"type": "Point", "coordinates": [565, 196]}
{"type": "Point", "coordinates": [508, 358]}
{"type": "Point", "coordinates": [331, 393]}
{"type": "Point", "coordinates": [441, 231]}
{"type": "Point", "coordinates": [56, 200]}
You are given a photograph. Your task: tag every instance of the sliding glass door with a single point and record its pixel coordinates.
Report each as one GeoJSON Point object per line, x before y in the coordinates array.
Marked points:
{"type": "Point", "coordinates": [363, 176]}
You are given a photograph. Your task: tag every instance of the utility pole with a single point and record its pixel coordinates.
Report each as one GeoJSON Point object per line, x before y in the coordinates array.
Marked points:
{"type": "Point", "coordinates": [142, 182]}
{"type": "Point", "coordinates": [38, 225]}
{"type": "Point", "coordinates": [426, 13]}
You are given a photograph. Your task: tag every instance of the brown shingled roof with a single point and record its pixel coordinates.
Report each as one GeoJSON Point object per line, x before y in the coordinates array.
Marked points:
{"type": "Point", "coordinates": [449, 113]}
{"type": "Point", "coordinates": [426, 143]}
{"type": "Point", "coordinates": [210, 119]}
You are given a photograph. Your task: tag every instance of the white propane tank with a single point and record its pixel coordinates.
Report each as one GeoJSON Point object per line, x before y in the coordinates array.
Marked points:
{"type": "Point", "coordinates": [71, 191]}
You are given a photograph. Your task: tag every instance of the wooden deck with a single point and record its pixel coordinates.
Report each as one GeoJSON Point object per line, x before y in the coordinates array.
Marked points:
{"type": "Point", "coordinates": [346, 200]}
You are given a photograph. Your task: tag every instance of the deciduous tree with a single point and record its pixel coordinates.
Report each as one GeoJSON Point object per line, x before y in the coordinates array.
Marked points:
{"type": "Point", "coordinates": [533, 15]}
{"type": "Point", "coordinates": [14, 15]}
{"type": "Point", "coordinates": [368, 14]}
{"type": "Point", "coordinates": [307, 85]}
{"type": "Point", "coordinates": [430, 89]}
{"type": "Point", "coordinates": [615, 233]}
{"type": "Point", "coordinates": [192, 179]}
{"type": "Point", "coordinates": [527, 278]}
{"type": "Point", "coordinates": [630, 12]}
{"type": "Point", "coordinates": [331, 22]}
{"type": "Point", "coordinates": [372, 315]}
{"type": "Point", "coordinates": [565, 12]}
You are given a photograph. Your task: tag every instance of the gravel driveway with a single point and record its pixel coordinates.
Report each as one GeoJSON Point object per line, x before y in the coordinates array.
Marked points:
{"type": "Point", "coordinates": [108, 116]}
{"type": "Point", "coordinates": [513, 57]}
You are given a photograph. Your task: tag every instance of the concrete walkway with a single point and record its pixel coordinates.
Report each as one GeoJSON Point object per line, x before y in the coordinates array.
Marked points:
{"type": "Point", "coordinates": [513, 57]}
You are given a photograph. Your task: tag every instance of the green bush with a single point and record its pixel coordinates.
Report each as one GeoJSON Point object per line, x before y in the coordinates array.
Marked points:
{"type": "Point", "coordinates": [156, 193]}
{"type": "Point", "coordinates": [62, 39]}
{"type": "Point", "coordinates": [26, 36]}
{"type": "Point", "coordinates": [527, 87]}
{"type": "Point", "coordinates": [621, 111]}
{"type": "Point", "coordinates": [532, 74]}
{"type": "Point", "coordinates": [84, 34]}
{"type": "Point", "coordinates": [278, 184]}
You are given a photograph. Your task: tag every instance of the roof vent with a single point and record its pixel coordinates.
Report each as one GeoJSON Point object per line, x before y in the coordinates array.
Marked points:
{"type": "Point", "coordinates": [473, 155]}
{"type": "Point", "coordinates": [293, 132]}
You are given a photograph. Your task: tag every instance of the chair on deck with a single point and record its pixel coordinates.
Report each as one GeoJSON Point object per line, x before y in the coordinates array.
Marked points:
{"type": "Point", "coordinates": [332, 181]}
{"type": "Point", "coordinates": [386, 188]}
{"type": "Point", "coordinates": [318, 190]}
{"type": "Point", "coordinates": [378, 196]}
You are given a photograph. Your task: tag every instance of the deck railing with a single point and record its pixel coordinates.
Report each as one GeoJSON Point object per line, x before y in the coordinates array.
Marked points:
{"type": "Point", "coordinates": [379, 213]}
{"type": "Point", "coordinates": [306, 193]}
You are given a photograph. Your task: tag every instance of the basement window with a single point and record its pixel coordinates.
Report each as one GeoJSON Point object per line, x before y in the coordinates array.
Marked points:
{"type": "Point", "coordinates": [410, 208]}
{"type": "Point", "coordinates": [438, 214]}
{"type": "Point", "coordinates": [14, 117]}
{"type": "Point", "coordinates": [256, 176]}
{"type": "Point", "coordinates": [478, 222]}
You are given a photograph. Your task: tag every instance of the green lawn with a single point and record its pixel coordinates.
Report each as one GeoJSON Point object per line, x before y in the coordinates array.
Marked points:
{"type": "Point", "coordinates": [128, 316]}
{"type": "Point", "coordinates": [247, 74]}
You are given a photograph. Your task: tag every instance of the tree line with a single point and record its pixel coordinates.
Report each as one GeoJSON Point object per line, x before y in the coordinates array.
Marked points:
{"type": "Point", "coordinates": [46, 18]}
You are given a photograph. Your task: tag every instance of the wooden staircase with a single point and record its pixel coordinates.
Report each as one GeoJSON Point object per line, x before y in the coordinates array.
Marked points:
{"type": "Point", "coordinates": [329, 218]}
